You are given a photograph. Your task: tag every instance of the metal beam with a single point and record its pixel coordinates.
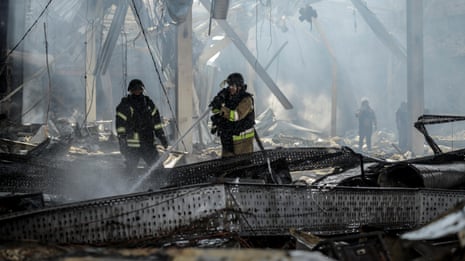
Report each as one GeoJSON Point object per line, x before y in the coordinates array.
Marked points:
{"type": "Point", "coordinates": [415, 81]}
{"type": "Point", "coordinates": [4, 10]}
{"type": "Point", "coordinates": [378, 28]}
{"type": "Point", "coordinates": [276, 55]}
{"type": "Point", "coordinates": [243, 209]}
{"type": "Point", "coordinates": [110, 41]}
{"type": "Point", "coordinates": [141, 10]}
{"type": "Point", "coordinates": [209, 51]}
{"type": "Point", "coordinates": [251, 59]}
{"type": "Point", "coordinates": [93, 36]}
{"type": "Point", "coordinates": [184, 79]}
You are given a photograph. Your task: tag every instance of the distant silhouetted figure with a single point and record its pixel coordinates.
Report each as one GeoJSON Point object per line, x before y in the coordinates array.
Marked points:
{"type": "Point", "coordinates": [366, 124]}
{"type": "Point", "coordinates": [402, 126]}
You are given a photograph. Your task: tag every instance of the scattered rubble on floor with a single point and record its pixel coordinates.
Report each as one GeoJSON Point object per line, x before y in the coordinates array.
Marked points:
{"type": "Point", "coordinates": [297, 196]}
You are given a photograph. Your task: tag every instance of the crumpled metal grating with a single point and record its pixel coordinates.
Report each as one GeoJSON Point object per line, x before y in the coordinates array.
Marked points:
{"type": "Point", "coordinates": [255, 163]}
{"type": "Point", "coordinates": [57, 179]}
{"type": "Point", "coordinates": [116, 219]}
{"type": "Point", "coordinates": [246, 209]}
{"type": "Point", "coordinates": [324, 211]}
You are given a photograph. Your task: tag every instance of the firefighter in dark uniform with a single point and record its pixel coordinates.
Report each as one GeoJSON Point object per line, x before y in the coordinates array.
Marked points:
{"type": "Point", "coordinates": [366, 123]}
{"type": "Point", "coordinates": [137, 123]}
{"type": "Point", "coordinates": [233, 117]}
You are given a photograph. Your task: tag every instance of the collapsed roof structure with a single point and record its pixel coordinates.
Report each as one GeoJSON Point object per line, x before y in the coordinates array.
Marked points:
{"type": "Point", "coordinates": [60, 82]}
{"type": "Point", "coordinates": [73, 60]}
{"type": "Point", "coordinates": [288, 194]}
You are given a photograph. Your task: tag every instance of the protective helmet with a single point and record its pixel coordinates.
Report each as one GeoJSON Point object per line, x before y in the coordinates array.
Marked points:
{"type": "Point", "coordinates": [135, 84]}
{"type": "Point", "coordinates": [235, 78]}
{"type": "Point", "coordinates": [364, 101]}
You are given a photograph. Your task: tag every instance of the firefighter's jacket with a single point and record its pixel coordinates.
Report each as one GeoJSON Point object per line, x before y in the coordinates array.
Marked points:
{"type": "Point", "coordinates": [137, 120]}
{"type": "Point", "coordinates": [237, 120]}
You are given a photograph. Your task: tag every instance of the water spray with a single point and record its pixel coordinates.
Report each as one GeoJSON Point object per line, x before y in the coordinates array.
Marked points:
{"type": "Point", "coordinates": [167, 152]}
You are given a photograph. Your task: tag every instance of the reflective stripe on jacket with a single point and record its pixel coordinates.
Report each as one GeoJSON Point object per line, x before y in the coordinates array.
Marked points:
{"type": "Point", "coordinates": [250, 133]}
{"type": "Point", "coordinates": [137, 120]}
{"type": "Point", "coordinates": [240, 114]}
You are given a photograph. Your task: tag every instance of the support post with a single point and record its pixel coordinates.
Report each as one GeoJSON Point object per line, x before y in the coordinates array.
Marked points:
{"type": "Point", "coordinates": [93, 37]}
{"type": "Point", "coordinates": [415, 82]}
{"type": "Point", "coordinates": [184, 80]}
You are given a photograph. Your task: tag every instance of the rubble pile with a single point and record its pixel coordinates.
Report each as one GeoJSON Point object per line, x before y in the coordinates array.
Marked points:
{"type": "Point", "coordinates": [54, 173]}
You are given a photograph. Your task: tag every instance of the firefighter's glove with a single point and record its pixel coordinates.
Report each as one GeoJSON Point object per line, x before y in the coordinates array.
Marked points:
{"type": "Point", "coordinates": [219, 99]}
{"type": "Point", "coordinates": [164, 141]}
{"type": "Point", "coordinates": [216, 103]}
{"type": "Point", "coordinates": [216, 118]}
{"type": "Point", "coordinates": [214, 129]}
{"type": "Point", "coordinates": [123, 144]}
{"type": "Point", "coordinates": [223, 94]}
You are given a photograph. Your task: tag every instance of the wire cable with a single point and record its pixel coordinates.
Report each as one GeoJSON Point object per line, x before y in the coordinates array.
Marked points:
{"type": "Point", "coordinates": [24, 36]}
{"type": "Point", "coordinates": [49, 77]}
{"type": "Point", "coordinates": [156, 69]}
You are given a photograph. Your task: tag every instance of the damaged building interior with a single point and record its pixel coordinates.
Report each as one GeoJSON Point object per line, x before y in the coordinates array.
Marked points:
{"type": "Point", "coordinates": [309, 190]}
